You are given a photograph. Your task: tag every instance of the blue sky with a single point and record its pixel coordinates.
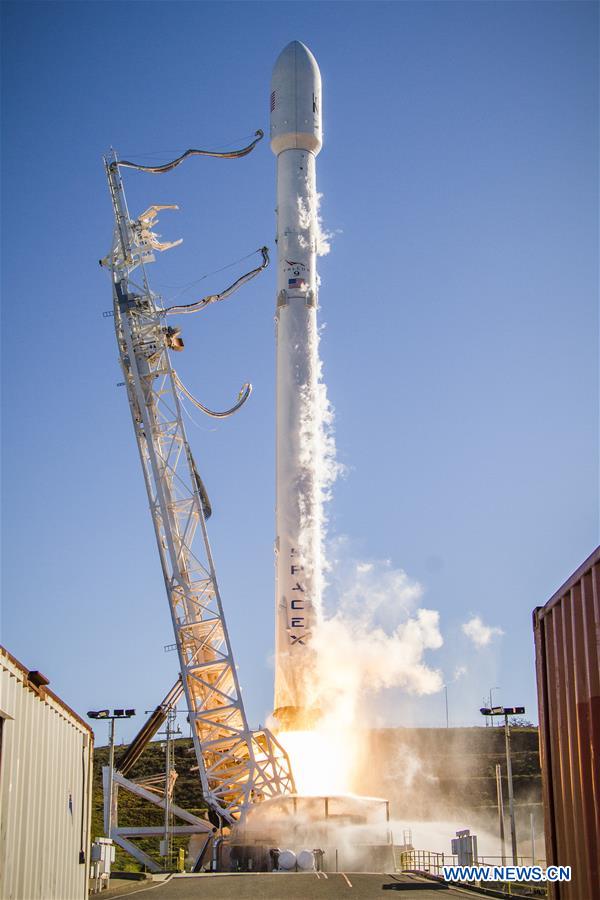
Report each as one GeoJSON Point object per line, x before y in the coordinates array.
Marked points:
{"type": "Point", "coordinates": [459, 172]}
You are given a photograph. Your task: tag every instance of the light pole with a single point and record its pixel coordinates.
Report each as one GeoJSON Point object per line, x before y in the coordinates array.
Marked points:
{"type": "Point", "coordinates": [500, 812]}
{"type": "Point", "coordinates": [170, 732]}
{"type": "Point", "coordinates": [446, 696]}
{"type": "Point", "coordinates": [492, 689]}
{"type": "Point", "coordinates": [507, 711]}
{"type": "Point", "coordinates": [106, 714]}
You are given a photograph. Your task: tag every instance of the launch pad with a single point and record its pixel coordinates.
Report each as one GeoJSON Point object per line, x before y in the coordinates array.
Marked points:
{"type": "Point", "coordinates": [295, 833]}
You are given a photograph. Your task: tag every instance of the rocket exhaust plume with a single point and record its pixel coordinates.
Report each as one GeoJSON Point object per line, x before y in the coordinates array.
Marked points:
{"type": "Point", "coordinates": [296, 139]}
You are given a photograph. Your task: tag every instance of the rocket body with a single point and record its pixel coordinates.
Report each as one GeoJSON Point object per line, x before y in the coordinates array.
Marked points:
{"type": "Point", "coordinates": [296, 137]}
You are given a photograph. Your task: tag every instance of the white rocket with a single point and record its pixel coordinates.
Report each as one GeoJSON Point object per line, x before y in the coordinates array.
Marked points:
{"type": "Point", "coordinates": [296, 138]}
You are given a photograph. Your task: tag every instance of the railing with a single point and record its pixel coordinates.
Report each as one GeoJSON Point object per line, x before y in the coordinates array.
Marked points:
{"type": "Point", "coordinates": [418, 861]}
{"type": "Point", "coordinates": [432, 863]}
{"type": "Point", "coordinates": [498, 861]}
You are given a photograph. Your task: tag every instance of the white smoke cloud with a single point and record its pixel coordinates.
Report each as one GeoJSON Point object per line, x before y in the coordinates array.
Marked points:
{"type": "Point", "coordinates": [459, 672]}
{"type": "Point", "coordinates": [375, 638]}
{"type": "Point", "coordinates": [320, 467]}
{"type": "Point", "coordinates": [480, 634]}
{"type": "Point", "coordinates": [324, 236]}
{"type": "Point", "coordinates": [375, 634]}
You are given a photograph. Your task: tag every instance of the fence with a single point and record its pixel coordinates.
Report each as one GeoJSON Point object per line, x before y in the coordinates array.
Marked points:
{"type": "Point", "coordinates": [419, 861]}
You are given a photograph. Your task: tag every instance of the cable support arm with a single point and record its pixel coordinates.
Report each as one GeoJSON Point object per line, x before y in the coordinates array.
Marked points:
{"type": "Point", "coordinates": [168, 167]}
{"type": "Point", "coordinates": [215, 298]}
{"type": "Point", "coordinates": [243, 395]}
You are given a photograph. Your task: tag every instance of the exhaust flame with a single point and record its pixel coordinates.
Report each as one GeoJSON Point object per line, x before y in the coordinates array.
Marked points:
{"type": "Point", "coordinates": [320, 761]}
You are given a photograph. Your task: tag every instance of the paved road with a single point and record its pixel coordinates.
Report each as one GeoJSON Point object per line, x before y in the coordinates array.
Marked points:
{"type": "Point", "coordinates": [298, 886]}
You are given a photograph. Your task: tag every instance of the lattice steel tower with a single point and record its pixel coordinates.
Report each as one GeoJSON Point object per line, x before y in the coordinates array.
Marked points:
{"type": "Point", "coordinates": [238, 766]}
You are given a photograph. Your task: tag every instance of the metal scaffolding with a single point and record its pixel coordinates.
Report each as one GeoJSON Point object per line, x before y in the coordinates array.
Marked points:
{"type": "Point", "coordinates": [238, 766]}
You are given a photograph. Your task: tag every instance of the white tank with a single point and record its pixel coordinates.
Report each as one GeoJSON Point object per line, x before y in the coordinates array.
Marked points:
{"type": "Point", "coordinates": [296, 121]}
{"type": "Point", "coordinates": [287, 860]}
{"type": "Point", "coordinates": [306, 860]}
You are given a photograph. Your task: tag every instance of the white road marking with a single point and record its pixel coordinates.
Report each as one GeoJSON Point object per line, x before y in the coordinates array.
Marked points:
{"type": "Point", "coordinates": [142, 890]}
{"type": "Point", "coordinates": [347, 880]}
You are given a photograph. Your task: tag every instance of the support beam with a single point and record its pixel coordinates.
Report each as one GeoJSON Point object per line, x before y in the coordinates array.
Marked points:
{"type": "Point", "coordinates": [149, 830]}
{"type": "Point", "coordinates": [134, 851]}
{"type": "Point", "coordinates": [130, 756]}
{"type": "Point", "coordinates": [201, 824]}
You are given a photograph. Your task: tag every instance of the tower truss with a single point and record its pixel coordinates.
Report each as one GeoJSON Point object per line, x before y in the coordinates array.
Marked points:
{"type": "Point", "coordinates": [238, 766]}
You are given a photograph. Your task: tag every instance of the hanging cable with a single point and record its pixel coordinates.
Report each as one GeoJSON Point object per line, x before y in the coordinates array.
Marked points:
{"type": "Point", "coordinates": [158, 170]}
{"type": "Point", "coordinates": [183, 288]}
{"type": "Point", "coordinates": [214, 298]}
{"type": "Point", "coordinates": [242, 397]}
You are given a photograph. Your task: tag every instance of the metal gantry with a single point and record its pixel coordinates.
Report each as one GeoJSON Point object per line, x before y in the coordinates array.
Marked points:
{"type": "Point", "coordinates": [237, 766]}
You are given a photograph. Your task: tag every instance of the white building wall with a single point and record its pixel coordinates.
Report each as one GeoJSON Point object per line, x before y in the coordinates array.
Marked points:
{"type": "Point", "coordinates": [45, 792]}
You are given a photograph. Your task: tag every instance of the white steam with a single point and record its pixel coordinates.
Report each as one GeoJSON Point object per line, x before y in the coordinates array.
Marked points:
{"type": "Point", "coordinates": [309, 212]}
{"type": "Point", "coordinates": [375, 639]}
{"type": "Point", "coordinates": [480, 634]}
{"type": "Point", "coordinates": [317, 459]}
{"type": "Point", "coordinates": [375, 634]}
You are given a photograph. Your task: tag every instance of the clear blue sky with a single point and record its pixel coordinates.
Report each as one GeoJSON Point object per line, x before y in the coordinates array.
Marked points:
{"type": "Point", "coordinates": [461, 301]}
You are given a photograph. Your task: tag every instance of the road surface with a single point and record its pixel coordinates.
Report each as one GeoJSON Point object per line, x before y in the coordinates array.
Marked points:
{"type": "Point", "coordinates": [297, 886]}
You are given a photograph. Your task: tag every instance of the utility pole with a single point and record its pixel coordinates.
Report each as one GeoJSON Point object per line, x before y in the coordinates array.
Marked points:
{"type": "Point", "coordinates": [446, 695]}
{"type": "Point", "coordinates": [507, 711]}
{"type": "Point", "coordinates": [511, 798]}
{"type": "Point", "coordinates": [491, 703]}
{"type": "Point", "coordinates": [106, 714]}
{"type": "Point", "coordinates": [111, 770]}
{"type": "Point", "coordinates": [500, 811]}
{"type": "Point", "coordinates": [166, 848]}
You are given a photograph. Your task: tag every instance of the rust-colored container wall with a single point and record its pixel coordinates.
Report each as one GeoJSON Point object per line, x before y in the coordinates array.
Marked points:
{"type": "Point", "coordinates": [567, 645]}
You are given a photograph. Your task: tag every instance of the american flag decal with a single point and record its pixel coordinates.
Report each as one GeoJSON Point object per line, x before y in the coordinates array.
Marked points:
{"type": "Point", "coordinates": [272, 100]}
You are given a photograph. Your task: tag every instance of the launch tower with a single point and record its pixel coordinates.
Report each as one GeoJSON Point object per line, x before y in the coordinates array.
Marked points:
{"type": "Point", "coordinates": [238, 766]}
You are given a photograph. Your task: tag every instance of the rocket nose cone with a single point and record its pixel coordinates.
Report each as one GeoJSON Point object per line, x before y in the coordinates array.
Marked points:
{"type": "Point", "coordinates": [295, 56]}
{"type": "Point", "coordinates": [296, 100]}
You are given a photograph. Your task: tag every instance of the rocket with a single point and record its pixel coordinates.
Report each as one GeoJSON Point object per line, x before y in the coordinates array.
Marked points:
{"type": "Point", "coordinates": [296, 139]}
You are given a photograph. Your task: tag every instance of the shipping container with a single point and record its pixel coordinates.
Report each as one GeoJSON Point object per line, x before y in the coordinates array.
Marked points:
{"type": "Point", "coordinates": [45, 790]}
{"type": "Point", "coordinates": [567, 645]}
